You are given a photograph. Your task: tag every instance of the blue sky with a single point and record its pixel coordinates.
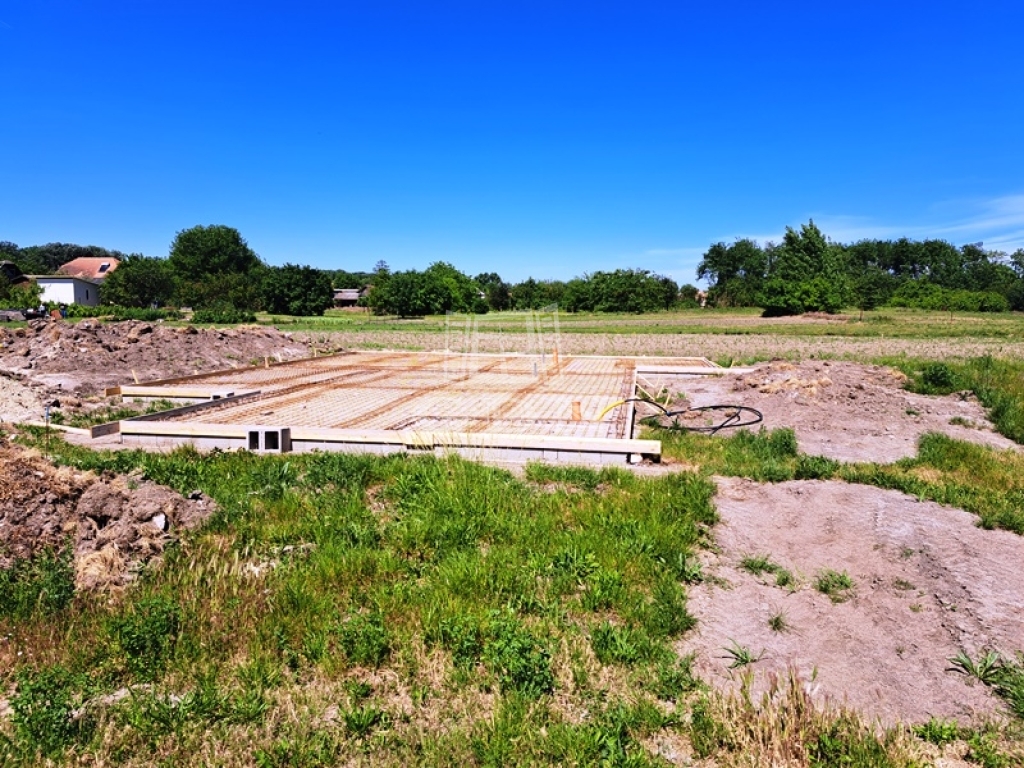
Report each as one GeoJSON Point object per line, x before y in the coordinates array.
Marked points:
{"type": "Point", "coordinates": [546, 139]}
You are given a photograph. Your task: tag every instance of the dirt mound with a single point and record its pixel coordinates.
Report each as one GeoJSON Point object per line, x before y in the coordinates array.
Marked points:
{"type": "Point", "coordinates": [87, 356]}
{"type": "Point", "coordinates": [115, 524]}
{"type": "Point", "coordinates": [928, 583]}
{"type": "Point", "coordinates": [848, 411]}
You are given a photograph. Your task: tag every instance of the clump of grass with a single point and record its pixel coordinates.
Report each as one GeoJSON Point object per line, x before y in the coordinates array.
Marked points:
{"type": "Point", "coordinates": [987, 669]}
{"type": "Point", "coordinates": [777, 622]}
{"type": "Point", "coordinates": [938, 731]}
{"type": "Point", "coordinates": [960, 421]}
{"type": "Point", "coordinates": [838, 585]}
{"type": "Point", "coordinates": [741, 655]}
{"type": "Point", "coordinates": [758, 564]}
{"type": "Point", "coordinates": [784, 578]}
{"type": "Point", "coordinates": [761, 564]}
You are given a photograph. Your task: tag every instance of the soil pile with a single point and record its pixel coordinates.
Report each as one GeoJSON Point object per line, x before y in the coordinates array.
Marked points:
{"type": "Point", "coordinates": [87, 356]}
{"type": "Point", "coordinates": [114, 524]}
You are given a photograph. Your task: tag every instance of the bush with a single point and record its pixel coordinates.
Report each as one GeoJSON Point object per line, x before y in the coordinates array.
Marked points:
{"type": "Point", "coordinates": [938, 379]}
{"type": "Point", "coordinates": [223, 316]}
{"type": "Point", "coordinates": [119, 313]}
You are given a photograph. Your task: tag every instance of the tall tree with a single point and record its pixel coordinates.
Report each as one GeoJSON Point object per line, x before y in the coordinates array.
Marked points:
{"type": "Point", "coordinates": [214, 250]}
{"type": "Point", "coordinates": [735, 273]}
{"type": "Point", "coordinates": [215, 268]}
{"type": "Point", "coordinates": [807, 275]}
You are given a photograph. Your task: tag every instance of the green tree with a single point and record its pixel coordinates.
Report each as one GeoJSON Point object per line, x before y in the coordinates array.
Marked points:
{"type": "Point", "coordinates": [139, 281]}
{"type": "Point", "coordinates": [496, 291]}
{"type": "Point", "coordinates": [526, 294]}
{"type": "Point", "coordinates": [296, 290]}
{"type": "Point", "coordinates": [454, 291]}
{"type": "Point", "coordinates": [871, 287]}
{"type": "Point", "coordinates": [735, 273]}
{"type": "Point", "coordinates": [227, 290]}
{"type": "Point", "coordinates": [201, 251]}
{"type": "Point", "coordinates": [632, 290]}
{"type": "Point", "coordinates": [440, 288]}
{"type": "Point", "coordinates": [21, 296]}
{"type": "Point", "coordinates": [806, 275]}
{"type": "Point", "coordinates": [341, 278]}
{"type": "Point", "coordinates": [214, 268]}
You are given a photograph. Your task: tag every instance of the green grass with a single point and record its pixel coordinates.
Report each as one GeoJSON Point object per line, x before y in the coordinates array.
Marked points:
{"type": "Point", "coordinates": [109, 413]}
{"type": "Point", "coordinates": [885, 323]}
{"type": "Point", "coordinates": [329, 588]}
{"type": "Point", "coordinates": [463, 582]}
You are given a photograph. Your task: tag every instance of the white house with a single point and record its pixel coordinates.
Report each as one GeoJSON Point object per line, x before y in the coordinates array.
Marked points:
{"type": "Point", "coordinates": [62, 289]}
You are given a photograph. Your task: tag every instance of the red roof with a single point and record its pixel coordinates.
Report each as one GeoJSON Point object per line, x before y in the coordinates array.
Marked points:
{"type": "Point", "coordinates": [90, 267]}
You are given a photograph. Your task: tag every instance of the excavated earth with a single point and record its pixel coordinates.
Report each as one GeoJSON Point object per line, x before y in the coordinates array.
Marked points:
{"type": "Point", "coordinates": [928, 582]}
{"type": "Point", "coordinates": [115, 525]}
{"type": "Point", "coordinates": [87, 356]}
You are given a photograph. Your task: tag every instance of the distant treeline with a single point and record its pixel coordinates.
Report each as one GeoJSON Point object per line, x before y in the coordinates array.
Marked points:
{"type": "Point", "coordinates": [213, 268]}
{"type": "Point", "coordinates": [442, 288]}
{"type": "Point", "coordinates": [807, 272]}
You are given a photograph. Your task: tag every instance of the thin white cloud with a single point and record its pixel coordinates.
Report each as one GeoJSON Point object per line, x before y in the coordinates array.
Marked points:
{"type": "Point", "coordinates": [998, 222]}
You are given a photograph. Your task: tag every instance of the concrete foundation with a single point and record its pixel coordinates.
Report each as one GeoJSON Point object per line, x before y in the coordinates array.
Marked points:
{"type": "Point", "coordinates": [486, 407]}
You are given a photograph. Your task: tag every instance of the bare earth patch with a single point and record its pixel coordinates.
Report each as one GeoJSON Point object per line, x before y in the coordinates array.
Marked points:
{"type": "Point", "coordinates": [927, 584]}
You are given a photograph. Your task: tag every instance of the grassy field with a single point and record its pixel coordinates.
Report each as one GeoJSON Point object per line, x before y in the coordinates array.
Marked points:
{"type": "Point", "coordinates": [736, 337]}
{"type": "Point", "coordinates": [886, 323]}
{"type": "Point", "coordinates": [395, 611]}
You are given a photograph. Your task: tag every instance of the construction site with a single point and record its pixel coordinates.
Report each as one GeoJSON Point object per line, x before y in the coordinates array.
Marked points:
{"type": "Point", "coordinates": [490, 407]}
